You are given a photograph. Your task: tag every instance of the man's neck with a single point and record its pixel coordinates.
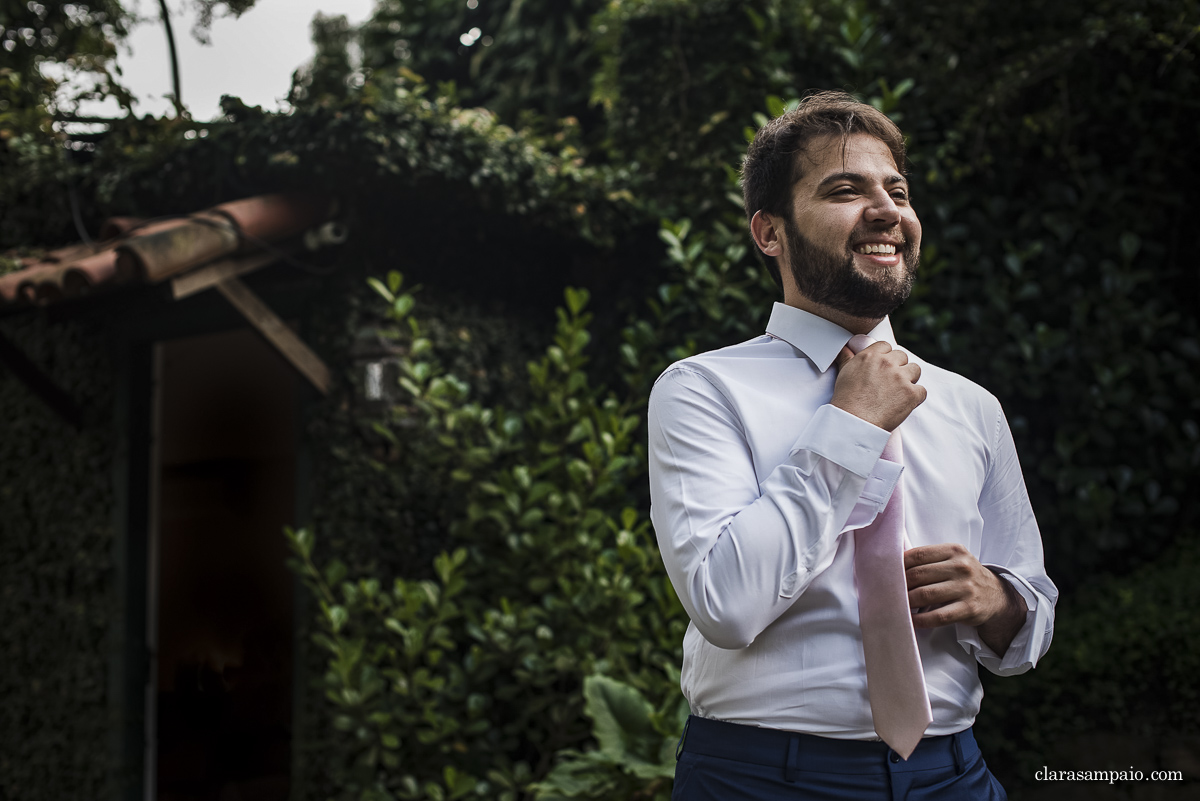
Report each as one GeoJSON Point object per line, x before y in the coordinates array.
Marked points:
{"type": "Point", "coordinates": [855, 325]}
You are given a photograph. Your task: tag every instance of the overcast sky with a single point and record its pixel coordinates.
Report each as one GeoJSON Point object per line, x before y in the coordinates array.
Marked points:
{"type": "Point", "coordinates": [252, 57]}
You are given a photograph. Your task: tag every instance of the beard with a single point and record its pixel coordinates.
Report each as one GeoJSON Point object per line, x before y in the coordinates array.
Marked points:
{"type": "Point", "coordinates": [829, 278]}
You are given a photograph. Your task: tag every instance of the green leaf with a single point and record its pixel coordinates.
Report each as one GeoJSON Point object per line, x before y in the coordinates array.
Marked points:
{"type": "Point", "coordinates": [337, 616]}
{"type": "Point", "coordinates": [335, 572]}
{"type": "Point", "coordinates": [304, 541]}
{"type": "Point", "coordinates": [577, 299]}
{"type": "Point", "coordinates": [384, 431]}
{"type": "Point", "coordinates": [403, 305]}
{"type": "Point", "coordinates": [394, 280]}
{"type": "Point", "coordinates": [621, 718]}
{"type": "Point", "coordinates": [378, 286]}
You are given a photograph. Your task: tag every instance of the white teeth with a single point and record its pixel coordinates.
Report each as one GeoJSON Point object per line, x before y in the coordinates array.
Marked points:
{"type": "Point", "coordinates": [889, 250]}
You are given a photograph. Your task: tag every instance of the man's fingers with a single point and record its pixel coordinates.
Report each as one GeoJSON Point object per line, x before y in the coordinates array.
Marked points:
{"type": "Point", "coordinates": [878, 384]}
{"type": "Point", "coordinates": [949, 585]}
{"type": "Point", "coordinates": [941, 616]}
{"type": "Point", "coordinates": [934, 574]}
{"type": "Point", "coordinates": [928, 554]}
{"type": "Point", "coordinates": [937, 593]}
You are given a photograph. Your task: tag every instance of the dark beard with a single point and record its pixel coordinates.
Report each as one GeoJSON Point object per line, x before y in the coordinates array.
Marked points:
{"type": "Point", "coordinates": [826, 278]}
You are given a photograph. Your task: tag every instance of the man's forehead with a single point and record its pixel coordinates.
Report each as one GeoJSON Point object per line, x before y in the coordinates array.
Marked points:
{"type": "Point", "coordinates": [831, 155]}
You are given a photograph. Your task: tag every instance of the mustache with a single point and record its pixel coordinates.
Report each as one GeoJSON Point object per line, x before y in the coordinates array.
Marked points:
{"type": "Point", "coordinates": [893, 232]}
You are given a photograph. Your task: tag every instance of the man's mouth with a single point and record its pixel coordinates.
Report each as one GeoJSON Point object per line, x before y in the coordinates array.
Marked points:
{"type": "Point", "coordinates": [869, 249]}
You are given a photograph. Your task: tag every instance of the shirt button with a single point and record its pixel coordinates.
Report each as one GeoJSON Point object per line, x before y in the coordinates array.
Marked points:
{"type": "Point", "coordinates": [894, 757]}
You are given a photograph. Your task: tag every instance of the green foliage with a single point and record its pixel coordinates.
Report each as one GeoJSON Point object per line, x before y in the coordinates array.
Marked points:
{"type": "Point", "coordinates": [516, 57]}
{"type": "Point", "coordinates": [48, 46]}
{"type": "Point", "coordinates": [52, 57]}
{"type": "Point", "coordinates": [56, 569]}
{"type": "Point", "coordinates": [680, 82]}
{"type": "Point", "coordinates": [636, 754]}
{"type": "Point", "coordinates": [327, 76]}
{"type": "Point", "coordinates": [1121, 663]}
{"type": "Point", "coordinates": [380, 138]}
{"type": "Point", "coordinates": [445, 692]}
{"type": "Point", "coordinates": [208, 10]}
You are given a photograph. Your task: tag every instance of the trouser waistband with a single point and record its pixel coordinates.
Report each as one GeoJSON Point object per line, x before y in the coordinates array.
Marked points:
{"type": "Point", "coordinates": [794, 752]}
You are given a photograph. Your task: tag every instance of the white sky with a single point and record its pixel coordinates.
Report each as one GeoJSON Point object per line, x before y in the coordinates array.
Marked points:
{"type": "Point", "coordinates": [252, 57]}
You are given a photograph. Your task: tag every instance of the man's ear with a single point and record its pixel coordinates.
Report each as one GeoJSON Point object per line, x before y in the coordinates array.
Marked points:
{"type": "Point", "coordinates": [767, 235]}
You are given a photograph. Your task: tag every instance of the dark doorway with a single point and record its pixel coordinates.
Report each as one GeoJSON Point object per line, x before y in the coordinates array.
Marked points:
{"type": "Point", "coordinates": [222, 595]}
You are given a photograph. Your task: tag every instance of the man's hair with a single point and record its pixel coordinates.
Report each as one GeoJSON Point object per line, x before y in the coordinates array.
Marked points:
{"type": "Point", "coordinates": [773, 164]}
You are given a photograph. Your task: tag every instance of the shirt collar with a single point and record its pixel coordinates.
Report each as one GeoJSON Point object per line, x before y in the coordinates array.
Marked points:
{"type": "Point", "coordinates": [817, 338]}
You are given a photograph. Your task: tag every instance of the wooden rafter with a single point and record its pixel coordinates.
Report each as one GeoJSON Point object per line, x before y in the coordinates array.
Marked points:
{"type": "Point", "coordinates": [260, 315]}
{"type": "Point", "coordinates": [216, 272]}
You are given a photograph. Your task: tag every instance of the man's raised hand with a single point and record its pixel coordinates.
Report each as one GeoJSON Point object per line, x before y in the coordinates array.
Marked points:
{"type": "Point", "coordinates": [878, 384]}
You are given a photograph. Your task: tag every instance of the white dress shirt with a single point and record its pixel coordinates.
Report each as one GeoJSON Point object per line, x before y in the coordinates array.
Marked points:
{"type": "Point", "coordinates": [754, 480]}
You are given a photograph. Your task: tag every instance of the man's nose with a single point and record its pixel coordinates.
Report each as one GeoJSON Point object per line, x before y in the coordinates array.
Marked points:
{"type": "Point", "coordinates": [882, 209]}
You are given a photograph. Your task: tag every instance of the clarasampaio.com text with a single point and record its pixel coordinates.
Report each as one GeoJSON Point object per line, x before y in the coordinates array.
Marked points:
{"type": "Point", "coordinates": [1111, 776]}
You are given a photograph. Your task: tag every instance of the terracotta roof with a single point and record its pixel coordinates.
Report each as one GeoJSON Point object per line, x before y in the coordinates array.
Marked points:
{"type": "Point", "coordinates": [134, 250]}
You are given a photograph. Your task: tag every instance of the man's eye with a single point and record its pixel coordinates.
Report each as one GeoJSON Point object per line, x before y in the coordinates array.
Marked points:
{"type": "Point", "coordinates": [900, 195]}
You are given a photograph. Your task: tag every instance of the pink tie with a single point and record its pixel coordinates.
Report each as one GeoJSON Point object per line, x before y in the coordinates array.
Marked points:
{"type": "Point", "coordinates": [895, 681]}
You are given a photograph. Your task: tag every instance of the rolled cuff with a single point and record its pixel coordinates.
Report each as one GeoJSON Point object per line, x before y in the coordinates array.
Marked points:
{"type": "Point", "coordinates": [1031, 641]}
{"type": "Point", "coordinates": [843, 439]}
{"type": "Point", "coordinates": [875, 494]}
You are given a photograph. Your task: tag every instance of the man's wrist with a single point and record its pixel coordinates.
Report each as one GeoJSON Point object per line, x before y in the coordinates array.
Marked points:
{"type": "Point", "coordinates": [1001, 628]}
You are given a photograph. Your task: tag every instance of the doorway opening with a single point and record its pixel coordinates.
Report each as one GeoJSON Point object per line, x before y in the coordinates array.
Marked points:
{"type": "Point", "coordinates": [219, 711]}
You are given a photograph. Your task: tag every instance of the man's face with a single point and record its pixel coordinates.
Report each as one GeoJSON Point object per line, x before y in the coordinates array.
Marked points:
{"type": "Point", "coordinates": [853, 242]}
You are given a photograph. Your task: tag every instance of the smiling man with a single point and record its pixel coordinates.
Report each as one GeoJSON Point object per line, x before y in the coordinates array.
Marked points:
{"type": "Point", "coordinates": [846, 525]}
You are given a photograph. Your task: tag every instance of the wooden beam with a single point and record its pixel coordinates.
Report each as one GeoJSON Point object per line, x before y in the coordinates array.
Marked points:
{"type": "Point", "coordinates": [259, 315]}
{"type": "Point", "coordinates": [216, 272]}
{"type": "Point", "coordinates": [39, 383]}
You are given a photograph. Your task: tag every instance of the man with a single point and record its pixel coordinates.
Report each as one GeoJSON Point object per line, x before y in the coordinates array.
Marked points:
{"type": "Point", "coordinates": [766, 480]}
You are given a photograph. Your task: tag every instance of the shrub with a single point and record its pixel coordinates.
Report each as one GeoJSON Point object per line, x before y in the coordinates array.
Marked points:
{"type": "Point", "coordinates": [469, 684]}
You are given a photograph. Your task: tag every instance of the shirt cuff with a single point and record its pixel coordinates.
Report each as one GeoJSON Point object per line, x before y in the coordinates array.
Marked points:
{"type": "Point", "coordinates": [1027, 646]}
{"type": "Point", "coordinates": [844, 439]}
{"type": "Point", "coordinates": [875, 494]}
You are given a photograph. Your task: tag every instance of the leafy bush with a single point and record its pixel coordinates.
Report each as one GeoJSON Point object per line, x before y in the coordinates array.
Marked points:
{"type": "Point", "coordinates": [470, 684]}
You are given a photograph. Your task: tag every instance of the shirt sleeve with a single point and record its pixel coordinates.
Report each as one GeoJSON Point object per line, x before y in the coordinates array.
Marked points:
{"type": "Point", "coordinates": [739, 552]}
{"type": "Point", "coordinates": [1012, 547]}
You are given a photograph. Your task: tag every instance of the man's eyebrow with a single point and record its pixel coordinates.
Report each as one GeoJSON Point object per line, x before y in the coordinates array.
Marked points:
{"type": "Point", "coordinates": [859, 178]}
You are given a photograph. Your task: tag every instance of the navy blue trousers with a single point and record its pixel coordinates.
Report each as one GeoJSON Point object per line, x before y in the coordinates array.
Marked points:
{"type": "Point", "coordinates": [721, 761]}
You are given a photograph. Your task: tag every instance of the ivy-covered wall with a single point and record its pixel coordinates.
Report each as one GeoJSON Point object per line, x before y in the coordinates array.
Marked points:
{"type": "Point", "coordinates": [56, 568]}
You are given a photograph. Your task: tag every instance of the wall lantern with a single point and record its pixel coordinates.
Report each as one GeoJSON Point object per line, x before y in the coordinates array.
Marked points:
{"type": "Point", "coordinates": [376, 359]}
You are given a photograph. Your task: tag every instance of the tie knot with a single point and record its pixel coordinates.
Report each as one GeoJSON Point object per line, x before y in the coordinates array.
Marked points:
{"type": "Point", "coordinates": [858, 342]}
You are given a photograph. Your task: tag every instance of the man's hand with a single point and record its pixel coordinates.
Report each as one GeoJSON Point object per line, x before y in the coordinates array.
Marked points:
{"type": "Point", "coordinates": [878, 385]}
{"type": "Point", "coordinates": [958, 589]}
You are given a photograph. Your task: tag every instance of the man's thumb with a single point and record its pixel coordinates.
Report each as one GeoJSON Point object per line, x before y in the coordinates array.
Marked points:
{"type": "Point", "coordinates": [843, 356]}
